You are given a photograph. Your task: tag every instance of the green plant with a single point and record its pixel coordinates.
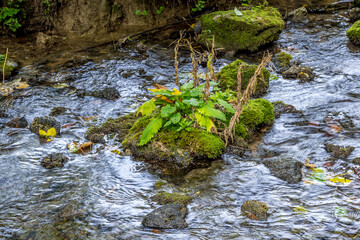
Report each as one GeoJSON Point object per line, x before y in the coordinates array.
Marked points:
{"type": "Point", "coordinates": [199, 6]}
{"type": "Point", "coordinates": [47, 4]}
{"type": "Point", "coordinates": [10, 16]}
{"type": "Point", "coordinates": [159, 11]}
{"type": "Point", "coordinates": [183, 110]}
{"type": "Point", "coordinates": [138, 12]}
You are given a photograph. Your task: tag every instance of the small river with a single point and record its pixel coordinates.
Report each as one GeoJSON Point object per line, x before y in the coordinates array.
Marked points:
{"type": "Point", "coordinates": [114, 192]}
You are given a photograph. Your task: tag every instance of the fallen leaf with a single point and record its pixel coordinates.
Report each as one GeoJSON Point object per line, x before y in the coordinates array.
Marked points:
{"type": "Point", "coordinates": [307, 164]}
{"type": "Point", "coordinates": [251, 215]}
{"type": "Point", "coordinates": [158, 86]}
{"type": "Point", "coordinates": [156, 231]}
{"type": "Point", "coordinates": [300, 209]}
{"type": "Point", "coordinates": [21, 85]}
{"type": "Point", "coordinates": [60, 85]}
{"type": "Point", "coordinates": [86, 145]}
{"type": "Point", "coordinates": [313, 123]}
{"type": "Point", "coordinates": [335, 128]}
{"type": "Point", "coordinates": [89, 118]}
{"type": "Point", "coordinates": [328, 164]}
{"type": "Point", "coordinates": [340, 180]}
{"type": "Point", "coordinates": [70, 125]}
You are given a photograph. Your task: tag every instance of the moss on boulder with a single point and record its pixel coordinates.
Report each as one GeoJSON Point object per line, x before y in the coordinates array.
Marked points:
{"type": "Point", "coordinates": [228, 77]}
{"type": "Point", "coordinates": [248, 32]}
{"type": "Point", "coordinates": [164, 198]}
{"type": "Point", "coordinates": [11, 67]}
{"type": "Point", "coordinates": [353, 33]}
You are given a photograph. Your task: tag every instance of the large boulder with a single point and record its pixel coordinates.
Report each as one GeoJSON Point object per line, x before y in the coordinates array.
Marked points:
{"type": "Point", "coordinates": [287, 169]}
{"type": "Point", "coordinates": [299, 15]}
{"type": "Point", "coordinates": [11, 67]}
{"type": "Point", "coordinates": [228, 77]}
{"type": "Point", "coordinates": [248, 30]}
{"type": "Point", "coordinates": [353, 33]}
{"type": "Point", "coordinates": [168, 216]}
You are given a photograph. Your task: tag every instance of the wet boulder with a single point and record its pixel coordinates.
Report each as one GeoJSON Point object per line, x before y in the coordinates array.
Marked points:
{"type": "Point", "coordinates": [281, 108]}
{"type": "Point", "coordinates": [44, 123]}
{"type": "Point", "coordinates": [54, 160]}
{"type": "Point", "coordinates": [337, 151]}
{"type": "Point", "coordinates": [354, 14]}
{"type": "Point", "coordinates": [287, 169]}
{"type": "Point", "coordinates": [282, 61]}
{"type": "Point", "coordinates": [228, 77]}
{"type": "Point", "coordinates": [248, 30]}
{"type": "Point", "coordinates": [18, 123]}
{"type": "Point", "coordinates": [164, 198]}
{"type": "Point", "coordinates": [353, 33]}
{"type": "Point", "coordinates": [168, 216]}
{"type": "Point", "coordinates": [11, 67]}
{"type": "Point", "coordinates": [56, 111]}
{"type": "Point", "coordinates": [299, 15]}
{"type": "Point", "coordinates": [303, 73]}
{"type": "Point", "coordinates": [255, 210]}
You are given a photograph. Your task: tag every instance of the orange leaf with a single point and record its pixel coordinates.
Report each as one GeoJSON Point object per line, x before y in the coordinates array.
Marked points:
{"type": "Point", "coordinates": [307, 163]}
{"type": "Point", "coordinates": [86, 145]}
{"type": "Point", "coordinates": [251, 215]}
{"type": "Point", "coordinates": [156, 231]}
{"type": "Point", "coordinates": [335, 128]}
{"type": "Point", "coordinates": [158, 86]}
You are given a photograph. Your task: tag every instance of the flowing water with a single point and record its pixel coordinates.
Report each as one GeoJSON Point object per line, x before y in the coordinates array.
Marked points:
{"type": "Point", "coordinates": [113, 192]}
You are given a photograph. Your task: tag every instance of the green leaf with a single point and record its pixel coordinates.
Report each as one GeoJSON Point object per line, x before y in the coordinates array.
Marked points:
{"type": "Point", "coordinates": [187, 86]}
{"type": "Point", "coordinates": [204, 121]}
{"type": "Point", "coordinates": [175, 118]}
{"type": "Point", "coordinates": [168, 123]}
{"type": "Point", "coordinates": [161, 8]}
{"type": "Point", "coordinates": [167, 111]}
{"type": "Point", "coordinates": [144, 13]}
{"type": "Point", "coordinates": [209, 111]}
{"type": "Point", "coordinates": [147, 107]}
{"type": "Point", "coordinates": [237, 12]}
{"type": "Point", "coordinates": [193, 102]}
{"type": "Point", "coordinates": [158, 11]}
{"type": "Point", "coordinates": [226, 105]}
{"type": "Point", "coordinates": [151, 129]}
{"type": "Point", "coordinates": [137, 12]}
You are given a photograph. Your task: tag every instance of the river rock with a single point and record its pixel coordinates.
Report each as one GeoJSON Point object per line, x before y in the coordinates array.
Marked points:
{"type": "Point", "coordinates": [54, 160]}
{"type": "Point", "coordinates": [356, 161]}
{"type": "Point", "coordinates": [299, 15]}
{"type": "Point", "coordinates": [255, 210]}
{"type": "Point", "coordinates": [44, 123]}
{"type": "Point", "coordinates": [280, 108]}
{"type": "Point", "coordinates": [164, 198]}
{"type": "Point", "coordinates": [353, 33]}
{"type": "Point", "coordinates": [11, 67]}
{"type": "Point", "coordinates": [249, 31]}
{"type": "Point", "coordinates": [168, 216]}
{"type": "Point", "coordinates": [354, 14]}
{"type": "Point", "coordinates": [18, 123]}
{"type": "Point", "coordinates": [303, 73]}
{"type": "Point", "coordinates": [109, 93]}
{"type": "Point", "coordinates": [71, 212]}
{"type": "Point", "coordinates": [337, 151]}
{"type": "Point", "coordinates": [282, 61]}
{"type": "Point", "coordinates": [287, 169]}
{"type": "Point", "coordinates": [56, 111]}
{"type": "Point", "coordinates": [228, 77]}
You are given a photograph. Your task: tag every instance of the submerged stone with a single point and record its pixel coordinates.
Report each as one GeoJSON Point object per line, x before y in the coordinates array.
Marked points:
{"type": "Point", "coordinates": [168, 216]}
{"type": "Point", "coordinates": [249, 31]}
{"type": "Point", "coordinates": [280, 108]}
{"type": "Point", "coordinates": [337, 151]}
{"type": "Point", "coordinates": [287, 169]}
{"type": "Point", "coordinates": [255, 210]}
{"type": "Point", "coordinates": [18, 123]}
{"type": "Point", "coordinates": [44, 123]}
{"type": "Point", "coordinates": [54, 160]}
{"type": "Point", "coordinates": [228, 77]}
{"type": "Point", "coordinates": [56, 111]}
{"type": "Point", "coordinates": [353, 33]}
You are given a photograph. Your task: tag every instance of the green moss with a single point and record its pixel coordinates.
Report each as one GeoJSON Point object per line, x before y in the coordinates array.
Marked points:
{"type": "Point", "coordinates": [228, 77]}
{"type": "Point", "coordinates": [257, 113]}
{"type": "Point", "coordinates": [353, 33]}
{"type": "Point", "coordinates": [284, 59]}
{"type": "Point", "coordinates": [164, 198]}
{"type": "Point", "coordinates": [159, 183]}
{"type": "Point", "coordinates": [357, 3]}
{"type": "Point", "coordinates": [241, 131]}
{"type": "Point", "coordinates": [10, 67]}
{"type": "Point", "coordinates": [255, 28]}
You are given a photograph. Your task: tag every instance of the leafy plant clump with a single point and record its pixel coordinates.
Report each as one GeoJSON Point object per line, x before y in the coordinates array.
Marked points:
{"type": "Point", "coordinates": [182, 110]}
{"type": "Point", "coordinates": [11, 15]}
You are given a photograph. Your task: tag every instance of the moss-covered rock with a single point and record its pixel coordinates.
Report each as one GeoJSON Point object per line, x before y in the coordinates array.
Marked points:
{"type": "Point", "coordinates": [11, 67]}
{"type": "Point", "coordinates": [228, 77]}
{"type": "Point", "coordinates": [164, 198]}
{"type": "Point", "coordinates": [353, 33]}
{"type": "Point", "coordinates": [175, 152]}
{"type": "Point", "coordinates": [248, 32]}
{"type": "Point", "coordinates": [255, 210]}
{"type": "Point", "coordinates": [282, 61]}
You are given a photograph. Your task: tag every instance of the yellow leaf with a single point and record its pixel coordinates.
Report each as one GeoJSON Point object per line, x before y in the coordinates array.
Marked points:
{"type": "Point", "coordinates": [51, 132]}
{"type": "Point", "coordinates": [300, 209]}
{"type": "Point", "coordinates": [155, 90]}
{"type": "Point", "coordinates": [340, 180]}
{"type": "Point", "coordinates": [22, 85]}
{"type": "Point", "coordinates": [42, 133]}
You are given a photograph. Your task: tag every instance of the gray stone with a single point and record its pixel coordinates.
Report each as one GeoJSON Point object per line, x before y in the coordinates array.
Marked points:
{"type": "Point", "coordinates": [303, 73]}
{"type": "Point", "coordinates": [54, 160]}
{"type": "Point", "coordinates": [168, 216]}
{"type": "Point", "coordinates": [255, 210]}
{"type": "Point", "coordinates": [287, 169]}
{"type": "Point", "coordinates": [299, 15]}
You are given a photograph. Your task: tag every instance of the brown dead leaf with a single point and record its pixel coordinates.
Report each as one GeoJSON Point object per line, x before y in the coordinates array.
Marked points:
{"type": "Point", "coordinates": [156, 231]}
{"type": "Point", "coordinates": [251, 215]}
{"type": "Point", "coordinates": [89, 118]}
{"type": "Point", "coordinates": [335, 128]}
{"type": "Point", "coordinates": [307, 163]}
{"type": "Point", "coordinates": [70, 125]}
{"type": "Point", "coordinates": [86, 145]}
{"type": "Point", "coordinates": [159, 86]}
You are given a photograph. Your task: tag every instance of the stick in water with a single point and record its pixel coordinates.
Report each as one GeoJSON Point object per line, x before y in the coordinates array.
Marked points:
{"type": "Point", "coordinates": [7, 50]}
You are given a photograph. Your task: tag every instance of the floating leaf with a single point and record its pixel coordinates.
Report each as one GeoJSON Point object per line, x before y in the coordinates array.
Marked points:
{"type": "Point", "coordinates": [340, 180]}
{"type": "Point", "coordinates": [237, 12]}
{"type": "Point", "coordinates": [61, 85]}
{"type": "Point", "coordinates": [307, 164]}
{"type": "Point", "coordinates": [300, 209]}
{"type": "Point", "coordinates": [335, 128]}
{"type": "Point", "coordinates": [49, 134]}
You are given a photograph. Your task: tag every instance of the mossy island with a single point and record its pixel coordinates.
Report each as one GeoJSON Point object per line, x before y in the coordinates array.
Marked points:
{"type": "Point", "coordinates": [353, 33]}
{"type": "Point", "coordinates": [248, 30]}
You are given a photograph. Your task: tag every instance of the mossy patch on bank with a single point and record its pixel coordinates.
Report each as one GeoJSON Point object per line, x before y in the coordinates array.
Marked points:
{"type": "Point", "coordinates": [247, 32]}
{"type": "Point", "coordinates": [228, 77]}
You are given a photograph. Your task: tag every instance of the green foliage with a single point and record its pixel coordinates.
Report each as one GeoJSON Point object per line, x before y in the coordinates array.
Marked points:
{"type": "Point", "coordinates": [199, 6]}
{"type": "Point", "coordinates": [151, 129]}
{"type": "Point", "coordinates": [11, 15]}
{"type": "Point", "coordinates": [2, 58]}
{"type": "Point", "coordinates": [46, 4]}
{"type": "Point", "coordinates": [353, 33]}
{"type": "Point", "coordinates": [182, 110]}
